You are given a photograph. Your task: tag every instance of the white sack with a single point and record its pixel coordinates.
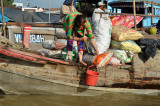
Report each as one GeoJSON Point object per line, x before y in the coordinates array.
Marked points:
{"type": "Point", "coordinates": [102, 28]}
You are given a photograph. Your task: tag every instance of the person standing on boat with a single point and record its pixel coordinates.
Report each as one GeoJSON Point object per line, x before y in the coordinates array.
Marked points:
{"type": "Point", "coordinates": [76, 24]}
{"type": "Point", "coordinates": [102, 28]}
{"type": "Point", "coordinates": [96, 16]}
{"type": "Point", "coordinates": [66, 9]}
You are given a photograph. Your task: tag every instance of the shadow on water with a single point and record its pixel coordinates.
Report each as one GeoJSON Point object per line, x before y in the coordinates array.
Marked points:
{"type": "Point", "coordinates": [82, 83]}
{"type": "Point", "coordinates": [82, 73]}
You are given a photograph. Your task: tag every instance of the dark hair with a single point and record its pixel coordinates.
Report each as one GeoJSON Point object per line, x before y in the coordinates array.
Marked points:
{"type": "Point", "coordinates": [67, 2]}
{"type": "Point", "coordinates": [78, 19]}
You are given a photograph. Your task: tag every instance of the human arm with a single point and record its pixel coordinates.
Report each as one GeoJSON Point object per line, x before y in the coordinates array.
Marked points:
{"type": "Point", "coordinates": [91, 37]}
{"type": "Point", "coordinates": [74, 9]}
{"type": "Point", "coordinates": [95, 46]}
{"type": "Point", "coordinates": [84, 38]}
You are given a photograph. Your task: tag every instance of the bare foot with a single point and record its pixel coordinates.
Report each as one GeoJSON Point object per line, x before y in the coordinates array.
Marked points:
{"type": "Point", "coordinates": [83, 63]}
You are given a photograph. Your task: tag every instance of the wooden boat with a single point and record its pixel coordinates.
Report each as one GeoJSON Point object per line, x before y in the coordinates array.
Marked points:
{"type": "Point", "coordinates": [26, 72]}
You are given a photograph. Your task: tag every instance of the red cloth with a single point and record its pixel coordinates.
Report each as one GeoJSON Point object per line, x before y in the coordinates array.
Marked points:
{"type": "Point", "coordinates": [127, 21]}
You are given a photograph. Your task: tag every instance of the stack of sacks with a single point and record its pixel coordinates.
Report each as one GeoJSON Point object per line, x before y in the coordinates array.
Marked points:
{"type": "Point", "coordinates": [123, 39]}
{"type": "Point", "coordinates": [52, 48]}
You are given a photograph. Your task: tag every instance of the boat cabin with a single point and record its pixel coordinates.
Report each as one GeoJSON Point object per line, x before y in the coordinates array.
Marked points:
{"type": "Point", "coordinates": [142, 7]}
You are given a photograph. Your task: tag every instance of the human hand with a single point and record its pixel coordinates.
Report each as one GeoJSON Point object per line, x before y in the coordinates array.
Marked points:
{"type": "Point", "coordinates": [104, 9]}
{"type": "Point", "coordinates": [84, 38]}
{"type": "Point", "coordinates": [96, 52]}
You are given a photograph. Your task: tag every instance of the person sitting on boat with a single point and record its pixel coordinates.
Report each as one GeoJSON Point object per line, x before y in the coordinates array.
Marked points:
{"type": "Point", "coordinates": [76, 24]}
{"type": "Point", "coordinates": [66, 9]}
{"type": "Point", "coordinates": [157, 25]}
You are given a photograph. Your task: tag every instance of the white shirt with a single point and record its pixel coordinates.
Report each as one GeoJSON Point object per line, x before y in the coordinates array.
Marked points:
{"type": "Point", "coordinates": [96, 16]}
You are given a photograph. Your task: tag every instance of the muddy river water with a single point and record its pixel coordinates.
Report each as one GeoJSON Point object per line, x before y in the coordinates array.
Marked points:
{"type": "Point", "coordinates": [110, 99]}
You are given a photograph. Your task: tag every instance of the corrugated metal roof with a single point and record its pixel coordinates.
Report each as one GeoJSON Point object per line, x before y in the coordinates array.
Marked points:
{"type": "Point", "coordinates": [45, 17]}
{"type": "Point", "coordinates": [23, 16]}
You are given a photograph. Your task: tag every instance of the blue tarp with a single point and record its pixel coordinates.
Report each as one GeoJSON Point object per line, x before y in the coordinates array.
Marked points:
{"type": "Point", "coordinates": [6, 19]}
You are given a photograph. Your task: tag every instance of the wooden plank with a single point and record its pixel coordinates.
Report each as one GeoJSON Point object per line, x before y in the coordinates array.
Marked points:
{"type": "Point", "coordinates": [142, 15]}
{"type": "Point", "coordinates": [142, 29]}
{"type": "Point", "coordinates": [33, 55]}
{"type": "Point", "coordinates": [53, 25]}
{"type": "Point", "coordinates": [21, 56]}
{"type": "Point", "coordinates": [151, 37]}
{"type": "Point", "coordinates": [38, 33]}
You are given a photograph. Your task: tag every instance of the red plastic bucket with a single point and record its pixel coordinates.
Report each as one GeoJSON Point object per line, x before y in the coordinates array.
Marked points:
{"type": "Point", "coordinates": [91, 76]}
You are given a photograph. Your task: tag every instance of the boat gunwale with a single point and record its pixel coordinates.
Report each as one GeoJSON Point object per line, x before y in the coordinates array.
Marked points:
{"type": "Point", "coordinates": [105, 89]}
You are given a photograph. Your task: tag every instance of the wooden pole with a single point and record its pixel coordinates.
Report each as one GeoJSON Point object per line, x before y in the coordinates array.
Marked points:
{"type": "Point", "coordinates": [134, 11]}
{"type": "Point", "coordinates": [142, 15]}
{"type": "Point", "coordinates": [116, 10]}
{"type": "Point", "coordinates": [49, 11]}
{"type": "Point", "coordinates": [152, 12]}
{"type": "Point", "coordinates": [86, 7]}
{"type": "Point", "coordinates": [4, 31]}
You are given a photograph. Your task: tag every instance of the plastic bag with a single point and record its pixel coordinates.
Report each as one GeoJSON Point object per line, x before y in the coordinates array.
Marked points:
{"type": "Point", "coordinates": [61, 34]}
{"type": "Point", "coordinates": [115, 61]}
{"type": "Point", "coordinates": [56, 45]}
{"type": "Point", "coordinates": [121, 55]}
